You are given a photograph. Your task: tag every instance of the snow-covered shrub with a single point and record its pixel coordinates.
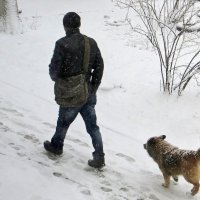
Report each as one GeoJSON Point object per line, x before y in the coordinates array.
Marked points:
{"type": "Point", "coordinates": [170, 26]}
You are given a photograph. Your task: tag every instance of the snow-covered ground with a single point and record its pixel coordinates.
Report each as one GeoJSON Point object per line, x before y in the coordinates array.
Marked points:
{"type": "Point", "coordinates": [131, 108]}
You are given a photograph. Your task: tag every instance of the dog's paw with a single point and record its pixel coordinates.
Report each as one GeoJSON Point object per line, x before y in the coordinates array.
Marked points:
{"type": "Point", "coordinates": [175, 178]}
{"type": "Point", "coordinates": [165, 185]}
{"type": "Point", "coordinates": [194, 191]}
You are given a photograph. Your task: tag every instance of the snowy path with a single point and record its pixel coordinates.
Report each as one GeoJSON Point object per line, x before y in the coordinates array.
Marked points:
{"type": "Point", "coordinates": [21, 139]}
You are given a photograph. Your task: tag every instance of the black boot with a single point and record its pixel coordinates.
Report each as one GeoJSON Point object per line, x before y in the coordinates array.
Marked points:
{"type": "Point", "coordinates": [98, 161]}
{"type": "Point", "coordinates": [52, 148]}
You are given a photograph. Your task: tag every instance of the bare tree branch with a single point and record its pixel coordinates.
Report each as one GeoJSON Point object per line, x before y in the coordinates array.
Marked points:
{"type": "Point", "coordinates": [165, 24]}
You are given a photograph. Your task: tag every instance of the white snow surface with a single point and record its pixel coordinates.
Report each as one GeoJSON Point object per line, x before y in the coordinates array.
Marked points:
{"type": "Point", "coordinates": [130, 109]}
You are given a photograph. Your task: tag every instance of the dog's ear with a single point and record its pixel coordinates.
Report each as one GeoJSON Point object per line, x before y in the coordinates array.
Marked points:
{"type": "Point", "coordinates": [151, 141]}
{"type": "Point", "coordinates": [162, 137]}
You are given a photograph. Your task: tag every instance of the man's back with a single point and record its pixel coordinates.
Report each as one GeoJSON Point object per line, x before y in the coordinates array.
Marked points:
{"type": "Point", "coordinates": [72, 47]}
{"type": "Point", "coordinates": [68, 58]}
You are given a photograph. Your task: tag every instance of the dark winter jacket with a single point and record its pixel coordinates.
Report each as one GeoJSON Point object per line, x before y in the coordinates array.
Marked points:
{"type": "Point", "coordinates": [67, 59]}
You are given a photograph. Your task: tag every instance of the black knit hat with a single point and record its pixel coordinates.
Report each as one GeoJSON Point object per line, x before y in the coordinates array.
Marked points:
{"type": "Point", "coordinates": [71, 20]}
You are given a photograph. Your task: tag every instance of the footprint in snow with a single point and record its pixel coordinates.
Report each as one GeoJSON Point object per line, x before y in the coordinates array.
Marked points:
{"type": "Point", "coordinates": [124, 189]}
{"type": "Point", "coordinates": [106, 17]}
{"type": "Point", "coordinates": [32, 138]}
{"type": "Point", "coordinates": [49, 125]}
{"type": "Point", "coordinates": [19, 149]}
{"type": "Point", "coordinates": [3, 128]}
{"type": "Point", "coordinates": [127, 158]}
{"type": "Point", "coordinates": [43, 164]}
{"type": "Point", "coordinates": [21, 154]}
{"type": "Point", "coordinates": [57, 174]}
{"type": "Point", "coordinates": [106, 189]}
{"type": "Point", "coordinates": [16, 147]}
{"type": "Point", "coordinates": [84, 190]}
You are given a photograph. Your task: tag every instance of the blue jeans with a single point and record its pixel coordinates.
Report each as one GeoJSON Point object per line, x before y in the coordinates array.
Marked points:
{"type": "Point", "coordinates": [67, 116]}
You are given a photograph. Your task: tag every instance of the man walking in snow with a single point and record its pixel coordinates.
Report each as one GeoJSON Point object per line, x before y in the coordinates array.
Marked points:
{"type": "Point", "coordinates": [77, 69]}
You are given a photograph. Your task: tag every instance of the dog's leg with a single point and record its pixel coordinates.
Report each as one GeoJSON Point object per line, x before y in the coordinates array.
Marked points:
{"type": "Point", "coordinates": [167, 180]}
{"type": "Point", "coordinates": [193, 180]}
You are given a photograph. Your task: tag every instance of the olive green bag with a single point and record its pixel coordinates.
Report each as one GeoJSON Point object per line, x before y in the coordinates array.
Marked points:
{"type": "Point", "coordinates": [73, 91]}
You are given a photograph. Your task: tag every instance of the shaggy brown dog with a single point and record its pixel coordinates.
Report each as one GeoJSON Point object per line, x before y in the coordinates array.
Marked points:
{"type": "Point", "coordinates": [173, 161]}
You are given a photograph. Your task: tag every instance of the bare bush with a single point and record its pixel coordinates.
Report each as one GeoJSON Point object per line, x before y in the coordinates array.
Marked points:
{"type": "Point", "coordinates": [170, 26]}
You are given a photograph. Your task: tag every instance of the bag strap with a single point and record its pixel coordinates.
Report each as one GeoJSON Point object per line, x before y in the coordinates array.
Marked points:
{"type": "Point", "coordinates": [86, 57]}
